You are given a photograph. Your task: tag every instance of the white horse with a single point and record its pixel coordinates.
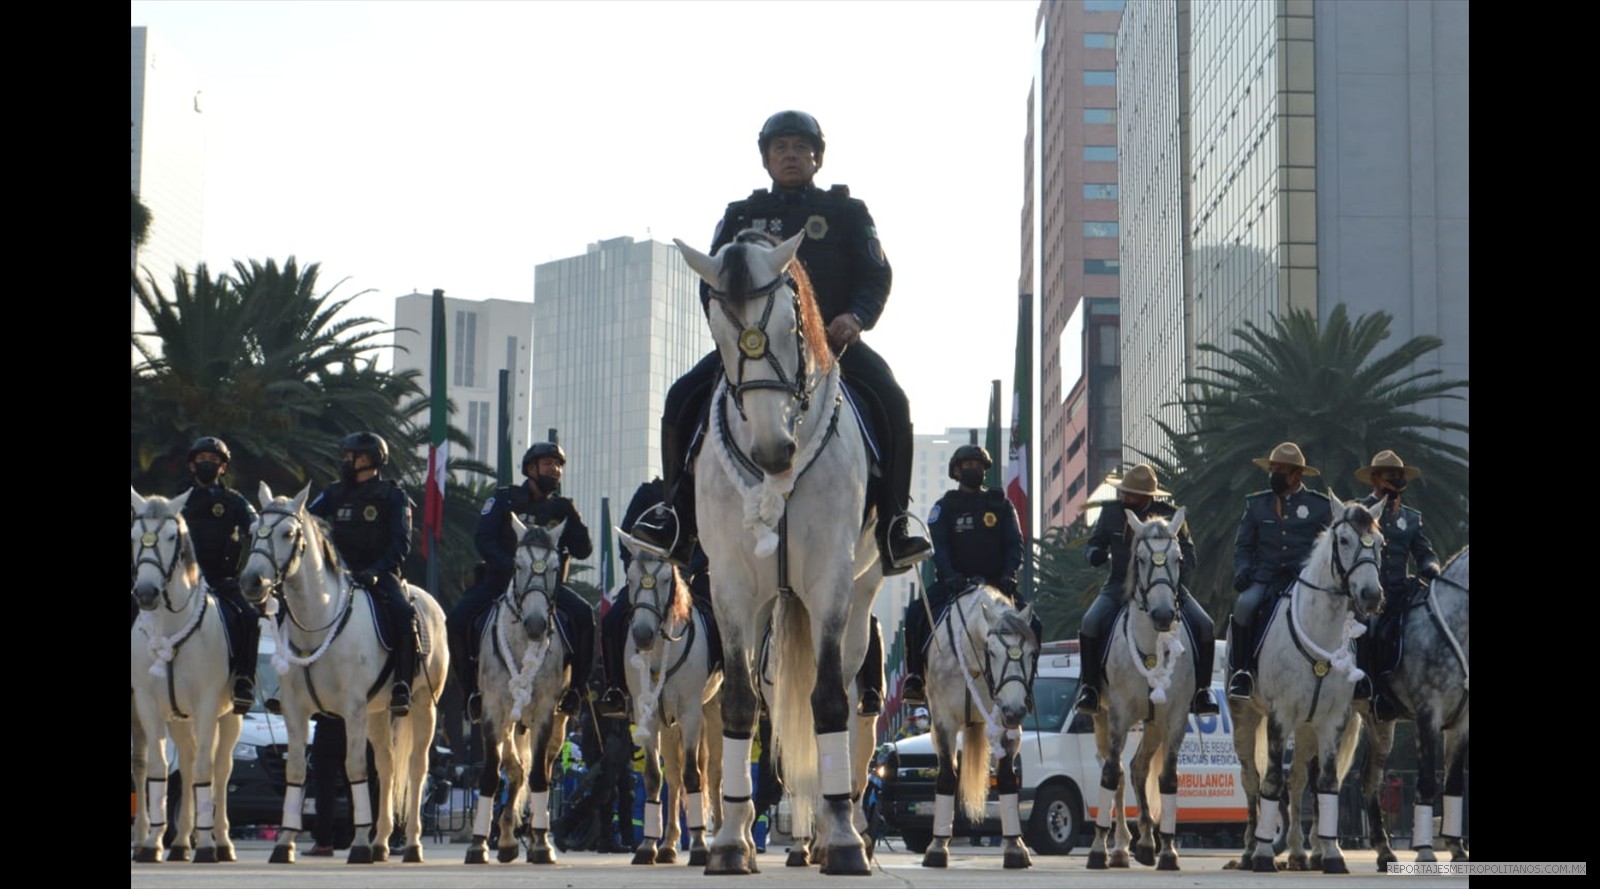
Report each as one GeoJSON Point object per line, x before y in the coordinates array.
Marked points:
{"type": "Point", "coordinates": [1304, 688]}
{"type": "Point", "coordinates": [1431, 684]}
{"type": "Point", "coordinates": [522, 673]}
{"type": "Point", "coordinates": [782, 489]}
{"type": "Point", "coordinates": [980, 662]}
{"type": "Point", "coordinates": [677, 708]}
{"type": "Point", "coordinates": [181, 684]}
{"type": "Point", "coordinates": [331, 661]}
{"type": "Point", "coordinates": [1149, 680]}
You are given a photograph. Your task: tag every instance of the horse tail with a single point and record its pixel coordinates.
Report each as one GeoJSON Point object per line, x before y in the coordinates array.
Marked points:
{"type": "Point", "coordinates": [973, 771]}
{"type": "Point", "coordinates": [794, 732]}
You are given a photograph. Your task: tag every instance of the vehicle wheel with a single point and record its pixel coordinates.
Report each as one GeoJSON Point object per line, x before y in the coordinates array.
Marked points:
{"type": "Point", "coordinates": [1057, 815]}
{"type": "Point", "coordinates": [917, 840]}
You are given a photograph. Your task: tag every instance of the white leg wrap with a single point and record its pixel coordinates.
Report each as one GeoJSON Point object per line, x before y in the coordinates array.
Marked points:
{"type": "Point", "coordinates": [944, 814]}
{"type": "Point", "coordinates": [202, 808]}
{"type": "Point", "coordinates": [833, 749]}
{"type": "Point", "coordinates": [735, 767]}
{"type": "Point", "coordinates": [1010, 816]}
{"type": "Point", "coordinates": [1421, 826]}
{"type": "Point", "coordinates": [1266, 820]}
{"type": "Point", "coordinates": [1451, 827]}
{"type": "Point", "coordinates": [541, 810]}
{"type": "Point", "coordinates": [652, 819]}
{"type": "Point", "coordinates": [696, 806]}
{"type": "Point", "coordinates": [293, 799]}
{"type": "Point", "coordinates": [361, 805]}
{"type": "Point", "coordinates": [483, 820]}
{"type": "Point", "coordinates": [1327, 816]}
{"type": "Point", "coordinates": [1169, 814]}
{"type": "Point", "coordinates": [1108, 806]}
{"type": "Point", "coordinates": [156, 790]}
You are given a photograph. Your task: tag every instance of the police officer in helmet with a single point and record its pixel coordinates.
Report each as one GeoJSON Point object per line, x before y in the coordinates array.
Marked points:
{"type": "Point", "coordinates": [851, 278]}
{"type": "Point", "coordinates": [976, 539]}
{"type": "Point", "coordinates": [534, 502]}
{"type": "Point", "coordinates": [370, 517]}
{"type": "Point", "coordinates": [219, 520]}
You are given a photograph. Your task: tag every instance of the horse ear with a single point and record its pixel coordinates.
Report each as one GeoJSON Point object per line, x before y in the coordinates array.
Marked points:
{"type": "Point", "coordinates": [138, 501]}
{"type": "Point", "coordinates": [785, 252]}
{"type": "Point", "coordinates": [709, 270]}
{"type": "Point", "coordinates": [177, 503]}
{"type": "Point", "coordinates": [1133, 521]}
{"type": "Point", "coordinates": [300, 498]}
{"type": "Point", "coordinates": [625, 539]}
{"type": "Point", "coordinates": [517, 527]}
{"type": "Point", "coordinates": [1176, 522]}
{"type": "Point", "coordinates": [264, 494]}
{"type": "Point", "coordinates": [1375, 510]}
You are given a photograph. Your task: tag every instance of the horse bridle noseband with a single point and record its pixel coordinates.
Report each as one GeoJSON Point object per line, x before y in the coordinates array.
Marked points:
{"type": "Point", "coordinates": [148, 541]}
{"type": "Point", "coordinates": [650, 581]}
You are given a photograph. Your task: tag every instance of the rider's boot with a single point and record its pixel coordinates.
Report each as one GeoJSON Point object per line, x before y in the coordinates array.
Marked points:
{"type": "Point", "coordinates": [571, 702]}
{"type": "Point", "coordinates": [1089, 653]}
{"type": "Point", "coordinates": [405, 663]}
{"type": "Point", "coordinates": [903, 547]}
{"type": "Point", "coordinates": [1205, 643]}
{"type": "Point", "coordinates": [912, 688]}
{"type": "Point", "coordinates": [913, 691]}
{"type": "Point", "coordinates": [869, 679]}
{"type": "Point", "coordinates": [1241, 645]}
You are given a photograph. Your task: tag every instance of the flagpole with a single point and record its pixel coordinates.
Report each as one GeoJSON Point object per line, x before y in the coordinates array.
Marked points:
{"type": "Point", "coordinates": [438, 445]}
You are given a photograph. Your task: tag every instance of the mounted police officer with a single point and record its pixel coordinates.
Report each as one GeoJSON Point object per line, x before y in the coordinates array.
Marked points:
{"type": "Point", "coordinates": [976, 539]}
{"type": "Point", "coordinates": [1111, 541]}
{"type": "Point", "coordinates": [219, 520]}
{"type": "Point", "coordinates": [1404, 543]}
{"type": "Point", "coordinates": [371, 521]}
{"type": "Point", "coordinates": [851, 277]}
{"type": "Point", "coordinates": [534, 502]}
{"type": "Point", "coordinates": [1276, 534]}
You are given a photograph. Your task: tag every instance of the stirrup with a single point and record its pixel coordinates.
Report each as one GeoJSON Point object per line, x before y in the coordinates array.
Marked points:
{"type": "Point", "coordinates": [475, 707]}
{"type": "Point", "coordinates": [871, 703]}
{"type": "Point", "coordinates": [614, 703]}
{"type": "Point", "coordinates": [659, 531]}
{"type": "Point", "coordinates": [913, 689]}
{"type": "Point", "coordinates": [1204, 703]}
{"type": "Point", "coordinates": [400, 699]}
{"type": "Point", "coordinates": [1242, 685]}
{"type": "Point", "coordinates": [915, 548]}
{"type": "Point", "coordinates": [244, 695]}
{"type": "Point", "coordinates": [570, 704]}
{"type": "Point", "coordinates": [1088, 700]}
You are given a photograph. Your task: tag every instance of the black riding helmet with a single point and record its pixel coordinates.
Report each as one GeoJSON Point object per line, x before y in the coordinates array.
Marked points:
{"type": "Point", "coordinates": [792, 123]}
{"type": "Point", "coordinates": [542, 449]}
{"type": "Point", "coordinates": [209, 444]}
{"type": "Point", "coordinates": [969, 452]}
{"type": "Point", "coordinates": [369, 443]}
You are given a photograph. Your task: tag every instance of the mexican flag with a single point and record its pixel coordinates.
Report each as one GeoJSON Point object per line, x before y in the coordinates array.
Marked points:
{"type": "Point", "coordinates": [1016, 477]}
{"type": "Point", "coordinates": [438, 441]}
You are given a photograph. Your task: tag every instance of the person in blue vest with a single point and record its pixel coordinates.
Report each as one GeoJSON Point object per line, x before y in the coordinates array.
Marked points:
{"type": "Point", "coordinates": [1275, 537]}
{"type": "Point", "coordinates": [1405, 543]}
{"type": "Point", "coordinates": [371, 521]}
{"type": "Point", "coordinates": [851, 277]}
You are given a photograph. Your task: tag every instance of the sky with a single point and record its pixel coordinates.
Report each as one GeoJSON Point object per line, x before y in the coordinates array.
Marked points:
{"type": "Point", "coordinates": [408, 145]}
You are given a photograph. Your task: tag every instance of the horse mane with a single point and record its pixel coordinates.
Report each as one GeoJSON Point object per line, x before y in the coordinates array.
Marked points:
{"type": "Point", "coordinates": [1363, 522]}
{"type": "Point", "coordinates": [538, 535]}
{"type": "Point", "coordinates": [678, 608]}
{"type": "Point", "coordinates": [1010, 621]}
{"type": "Point", "coordinates": [324, 534]}
{"type": "Point", "coordinates": [737, 284]}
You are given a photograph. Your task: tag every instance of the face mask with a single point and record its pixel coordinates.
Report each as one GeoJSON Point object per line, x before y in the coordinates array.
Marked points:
{"type": "Point", "coordinates": [347, 471]}
{"type": "Point", "coordinates": [206, 473]}
{"type": "Point", "coordinates": [972, 478]}
{"type": "Point", "coordinates": [546, 484]}
{"type": "Point", "coordinates": [1279, 482]}
{"type": "Point", "coordinates": [1396, 486]}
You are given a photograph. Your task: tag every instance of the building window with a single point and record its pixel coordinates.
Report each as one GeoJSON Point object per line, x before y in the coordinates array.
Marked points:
{"type": "Point", "coordinates": [1100, 153]}
{"type": "Point", "coordinates": [1099, 78]}
{"type": "Point", "coordinates": [1076, 486]}
{"type": "Point", "coordinates": [1092, 40]}
{"type": "Point", "coordinates": [1099, 191]}
{"type": "Point", "coordinates": [466, 348]}
{"type": "Point", "coordinates": [1099, 229]}
{"type": "Point", "coordinates": [1099, 115]}
{"type": "Point", "coordinates": [1102, 267]}
{"type": "Point", "coordinates": [1103, 5]}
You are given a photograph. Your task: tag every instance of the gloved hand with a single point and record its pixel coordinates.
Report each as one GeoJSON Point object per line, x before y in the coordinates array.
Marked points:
{"type": "Point", "coordinates": [1430, 571]}
{"type": "Point", "coordinates": [1098, 557]}
{"type": "Point", "coordinates": [368, 579]}
{"type": "Point", "coordinates": [1241, 581]}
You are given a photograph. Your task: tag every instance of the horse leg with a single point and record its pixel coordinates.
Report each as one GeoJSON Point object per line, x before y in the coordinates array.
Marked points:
{"type": "Point", "coordinates": [151, 821]}
{"type": "Point", "coordinates": [711, 756]}
{"type": "Point", "coordinates": [1144, 851]}
{"type": "Point", "coordinates": [650, 837]}
{"type": "Point", "coordinates": [1303, 771]}
{"type": "Point", "coordinates": [1177, 723]}
{"type": "Point", "coordinates": [1271, 790]}
{"type": "Point", "coordinates": [488, 788]}
{"type": "Point", "coordinates": [1247, 728]}
{"type": "Point", "coordinates": [842, 848]}
{"type": "Point", "coordinates": [1327, 788]}
{"type": "Point", "coordinates": [733, 849]}
{"type": "Point", "coordinates": [551, 728]}
{"type": "Point", "coordinates": [183, 735]}
{"type": "Point", "coordinates": [297, 726]}
{"type": "Point", "coordinates": [228, 728]}
{"type": "Point", "coordinates": [383, 772]}
{"type": "Point", "coordinates": [418, 727]}
{"type": "Point", "coordinates": [944, 794]}
{"type": "Point", "coordinates": [692, 747]}
{"type": "Point", "coordinates": [862, 747]}
{"type": "Point", "coordinates": [671, 765]}
{"type": "Point", "coordinates": [1380, 742]}
{"type": "Point", "coordinates": [1010, 782]}
{"type": "Point", "coordinates": [1428, 737]}
{"type": "Point", "coordinates": [1455, 780]}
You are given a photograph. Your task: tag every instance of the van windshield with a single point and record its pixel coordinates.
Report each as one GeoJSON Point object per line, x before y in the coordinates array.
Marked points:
{"type": "Point", "coordinates": [1053, 697]}
{"type": "Point", "coordinates": [266, 681]}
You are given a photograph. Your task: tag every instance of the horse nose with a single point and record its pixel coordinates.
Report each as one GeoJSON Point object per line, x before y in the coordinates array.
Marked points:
{"type": "Point", "coordinates": [774, 458]}
{"type": "Point", "coordinates": [145, 594]}
{"type": "Point", "coordinates": [534, 625]}
{"type": "Point", "coordinates": [644, 636]}
{"type": "Point", "coordinates": [1162, 618]}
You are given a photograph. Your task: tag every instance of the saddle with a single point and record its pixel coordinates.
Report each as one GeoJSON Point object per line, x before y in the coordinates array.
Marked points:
{"type": "Point", "coordinates": [424, 639]}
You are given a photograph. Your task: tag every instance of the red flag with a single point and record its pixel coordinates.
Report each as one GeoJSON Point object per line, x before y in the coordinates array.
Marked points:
{"type": "Point", "coordinates": [1016, 479]}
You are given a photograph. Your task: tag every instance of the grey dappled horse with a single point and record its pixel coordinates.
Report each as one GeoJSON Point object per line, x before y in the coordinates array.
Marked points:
{"type": "Point", "coordinates": [1149, 680]}
{"type": "Point", "coordinates": [1430, 683]}
{"type": "Point", "coordinates": [782, 486]}
{"type": "Point", "coordinates": [331, 661]}
{"type": "Point", "coordinates": [1304, 690]}
{"type": "Point", "coordinates": [181, 683]}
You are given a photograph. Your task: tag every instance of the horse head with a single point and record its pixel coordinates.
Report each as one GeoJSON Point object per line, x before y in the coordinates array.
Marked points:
{"type": "Point", "coordinates": [162, 549]}
{"type": "Point", "coordinates": [277, 544]}
{"type": "Point", "coordinates": [1009, 648]}
{"type": "Point", "coordinates": [770, 336]}
{"type": "Point", "coordinates": [657, 597]}
{"type": "Point", "coordinates": [1155, 567]}
{"type": "Point", "coordinates": [1352, 547]}
{"type": "Point", "coordinates": [531, 596]}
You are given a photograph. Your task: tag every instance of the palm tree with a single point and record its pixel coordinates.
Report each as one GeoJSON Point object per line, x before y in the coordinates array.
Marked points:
{"type": "Point", "coordinates": [1323, 388]}
{"type": "Point", "coordinates": [1064, 583]}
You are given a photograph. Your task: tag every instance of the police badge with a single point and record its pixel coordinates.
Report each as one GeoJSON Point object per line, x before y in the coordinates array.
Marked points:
{"type": "Point", "coordinates": [990, 519]}
{"type": "Point", "coordinates": [817, 227]}
{"type": "Point", "coordinates": [370, 513]}
{"type": "Point", "coordinates": [217, 510]}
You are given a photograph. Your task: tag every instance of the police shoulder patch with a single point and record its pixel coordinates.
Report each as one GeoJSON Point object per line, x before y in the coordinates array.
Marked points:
{"type": "Point", "coordinates": [875, 248]}
{"type": "Point", "coordinates": [933, 514]}
{"type": "Point", "coordinates": [488, 506]}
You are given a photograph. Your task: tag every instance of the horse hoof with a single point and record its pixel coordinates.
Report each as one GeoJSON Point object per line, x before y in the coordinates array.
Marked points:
{"type": "Point", "coordinates": [1263, 864]}
{"type": "Point", "coordinates": [281, 855]}
{"type": "Point", "coordinates": [1017, 859]}
{"type": "Point", "coordinates": [360, 853]}
{"type": "Point", "coordinates": [1425, 855]}
{"type": "Point", "coordinates": [505, 854]}
{"type": "Point", "coordinates": [1460, 855]}
{"type": "Point", "coordinates": [1120, 859]}
{"type": "Point", "coordinates": [798, 858]}
{"type": "Point", "coordinates": [1168, 861]}
{"type": "Point", "coordinates": [148, 855]}
{"type": "Point", "coordinates": [477, 856]}
{"type": "Point", "coordinates": [667, 854]}
{"type": "Point", "coordinates": [1146, 857]}
{"type": "Point", "coordinates": [380, 852]}
{"type": "Point", "coordinates": [1097, 860]}
{"type": "Point", "coordinates": [726, 860]}
{"type": "Point", "coordinates": [541, 856]}
{"type": "Point", "coordinates": [205, 855]}
{"type": "Point", "coordinates": [645, 854]}
{"type": "Point", "coordinates": [1334, 866]}
{"type": "Point", "coordinates": [846, 860]}
{"type": "Point", "coordinates": [697, 858]}
{"type": "Point", "coordinates": [178, 853]}
{"type": "Point", "coordinates": [413, 855]}
{"type": "Point", "coordinates": [1297, 863]}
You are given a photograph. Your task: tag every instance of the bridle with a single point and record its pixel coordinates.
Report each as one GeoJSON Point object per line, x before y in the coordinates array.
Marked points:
{"type": "Point", "coordinates": [538, 580]}
{"type": "Point", "coordinates": [1369, 545]}
{"type": "Point", "coordinates": [1160, 569]}
{"type": "Point", "coordinates": [149, 553]}
{"type": "Point", "coordinates": [262, 546]}
{"type": "Point", "coordinates": [754, 343]}
{"type": "Point", "coordinates": [652, 580]}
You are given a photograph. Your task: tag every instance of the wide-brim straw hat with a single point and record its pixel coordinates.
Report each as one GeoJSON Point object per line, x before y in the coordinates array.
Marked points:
{"type": "Point", "coordinates": [1141, 480]}
{"type": "Point", "coordinates": [1386, 460]}
{"type": "Point", "coordinates": [1288, 454]}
